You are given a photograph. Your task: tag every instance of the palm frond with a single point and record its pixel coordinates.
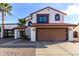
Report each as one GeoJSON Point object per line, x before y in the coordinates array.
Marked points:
{"type": "Point", "coordinates": [9, 13]}
{"type": "Point", "coordinates": [6, 8]}
{"type": "Point", "coordinates": [22, 22]}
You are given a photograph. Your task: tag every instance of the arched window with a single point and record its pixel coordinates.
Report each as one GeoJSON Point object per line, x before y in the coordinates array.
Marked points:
{"type": "Point", "coordinates": [57, 17]}
{"type": "Point", "coordinates": [75, 34]}
{"type": "Point", "coordinates": [30, 23]}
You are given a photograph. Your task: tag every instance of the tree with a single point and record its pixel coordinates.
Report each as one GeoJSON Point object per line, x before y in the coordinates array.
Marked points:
{"type": "Point", "coordinates": [5, 9]}
{"type": "Point", "coordinates": [22, 23]}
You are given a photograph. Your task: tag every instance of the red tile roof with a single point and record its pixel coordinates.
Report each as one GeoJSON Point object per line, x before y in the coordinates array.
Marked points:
{"type": "Point", "coordinates": [20, 27]}
{"type": "Point", "coordinates": [54, 24]}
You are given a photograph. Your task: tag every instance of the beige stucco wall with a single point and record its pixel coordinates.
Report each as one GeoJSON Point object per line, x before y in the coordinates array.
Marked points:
{"type": "Point", "coordinates": [28, 31]}
{"type": "Point", "coordinates": [51, 16]}
{"type": "Point", "coordinates": [28, 20]}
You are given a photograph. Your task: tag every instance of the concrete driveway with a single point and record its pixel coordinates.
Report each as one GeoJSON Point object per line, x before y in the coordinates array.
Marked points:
{"type": "Point", "coordinates": [60, 49]}
{"type": "Point", "coordinates": [24, 48]}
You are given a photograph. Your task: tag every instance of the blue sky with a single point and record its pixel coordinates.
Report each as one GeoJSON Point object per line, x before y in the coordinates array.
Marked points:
{"type": "Point", "coordinates": [21, 10]}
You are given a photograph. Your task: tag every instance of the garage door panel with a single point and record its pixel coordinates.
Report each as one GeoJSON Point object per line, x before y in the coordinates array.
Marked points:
{"type": "Point", "coordinates": [51, 34]}
{"type": "Point", "coordinates": [42, 34]}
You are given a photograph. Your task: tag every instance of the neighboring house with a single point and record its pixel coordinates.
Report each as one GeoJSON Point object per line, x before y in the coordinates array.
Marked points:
{"type": "Point", "coordinates": [76, 33]}
{"type": "Point", "coordinates": [48, 24]}
{"type": "Point", "coordinates": [9, 30]}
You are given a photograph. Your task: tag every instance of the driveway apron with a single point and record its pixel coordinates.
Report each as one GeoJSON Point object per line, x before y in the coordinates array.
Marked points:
{"type": "Point", "coordinates": [50, 49]}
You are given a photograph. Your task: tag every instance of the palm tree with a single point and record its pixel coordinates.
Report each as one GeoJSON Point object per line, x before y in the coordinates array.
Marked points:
{"type": "Point", "coordinates": [22, 23]}
{"type": "Point", "coordinates": [5, 8]}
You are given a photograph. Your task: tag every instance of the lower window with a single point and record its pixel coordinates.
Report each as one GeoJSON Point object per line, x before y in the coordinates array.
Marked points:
{"type": "Point", "coordinates": [75, 34]}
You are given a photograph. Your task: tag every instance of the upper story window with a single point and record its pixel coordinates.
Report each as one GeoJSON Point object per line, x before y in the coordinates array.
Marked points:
{"type": "Point", "coordinates": [30, 23]}
{"type": "Point", "coordinates": [42, 18]}
{"type": "Point", "coordinates": [57, 17]}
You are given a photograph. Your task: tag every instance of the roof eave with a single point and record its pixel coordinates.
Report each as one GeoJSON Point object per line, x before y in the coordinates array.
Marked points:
{"type": "Point", "coordinates": [50, 8]}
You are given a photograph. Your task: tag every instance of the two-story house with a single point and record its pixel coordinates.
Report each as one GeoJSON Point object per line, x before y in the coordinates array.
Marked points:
{"type": "Point", "coordinates": [48, 24]}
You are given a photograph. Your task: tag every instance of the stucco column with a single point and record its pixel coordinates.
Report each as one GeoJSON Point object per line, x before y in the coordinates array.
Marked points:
{"type": "Point", "coordinates": [33, 34]}
{"type": "Point", "coordinates": [70, 34]}
{"type": "Point", "coordinates": [16, 34]}
{"type": "Point", "coordinates": [28, 32]}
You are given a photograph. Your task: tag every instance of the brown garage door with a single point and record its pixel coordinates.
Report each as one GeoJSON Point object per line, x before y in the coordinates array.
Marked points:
{"type": "Point", "coordinates": [52, 34]}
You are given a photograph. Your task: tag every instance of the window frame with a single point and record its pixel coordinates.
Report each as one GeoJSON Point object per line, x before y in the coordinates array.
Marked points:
{"type": "Point", "coordinates": [46, 15]}
{"type": "Point", "coordinates": [57, 15]}
{"type": "Point", "coordinates": [75, 34]}
{"type": "Point", "coordinates": [29, 22]}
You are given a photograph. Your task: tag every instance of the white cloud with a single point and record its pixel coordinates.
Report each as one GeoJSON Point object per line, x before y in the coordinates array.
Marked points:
{"type": "Point", "coordinates": [72, 9]}
{"type": "Point", "coordinates": [72, 13]}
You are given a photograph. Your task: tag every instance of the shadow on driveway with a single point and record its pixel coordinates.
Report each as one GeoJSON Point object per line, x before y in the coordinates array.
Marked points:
{"type": "Point", "coordinates": [44, 44]}
{"type": "Point", "coordinates": [12, 43]}
{"type": "Point", "coordinates": [19, 46]}
{"type": "Point", "coordinates": [24, 43]}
